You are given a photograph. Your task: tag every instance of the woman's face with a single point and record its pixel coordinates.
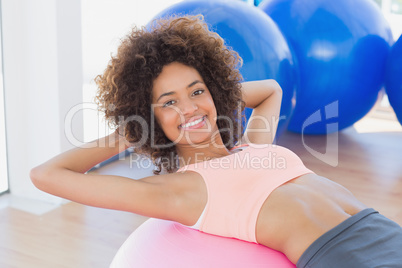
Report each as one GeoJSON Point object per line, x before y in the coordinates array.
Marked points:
{"type": "Point", "coordinates": [183, 105]}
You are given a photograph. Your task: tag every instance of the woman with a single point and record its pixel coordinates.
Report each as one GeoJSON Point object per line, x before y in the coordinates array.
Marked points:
{"type": "Point", "coordinates": [174, 92]}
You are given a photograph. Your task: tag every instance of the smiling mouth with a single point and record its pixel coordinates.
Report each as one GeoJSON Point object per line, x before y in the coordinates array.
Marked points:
{"type": "Point", "coordinates": [195, 124]}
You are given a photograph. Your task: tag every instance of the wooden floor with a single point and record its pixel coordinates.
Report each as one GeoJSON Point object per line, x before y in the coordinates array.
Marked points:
{"type": "Point", "coordinates": [70, 236]}
{"type": "Point", "coordinates": [369, 163]}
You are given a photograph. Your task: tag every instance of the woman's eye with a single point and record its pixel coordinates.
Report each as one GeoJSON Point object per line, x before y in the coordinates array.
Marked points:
{"type": "Point", "coordinates": [168, 103]}
{"type": "Point", "coordinates": [198, 92]}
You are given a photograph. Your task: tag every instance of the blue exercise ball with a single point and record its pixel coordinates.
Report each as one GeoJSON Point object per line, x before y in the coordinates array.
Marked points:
{"type": "Point", "coordinates": [393, 78]}
{"type": "Point", "coordinates": [252, 34]}
{"type": "Point", "coordinates": [340, 48]}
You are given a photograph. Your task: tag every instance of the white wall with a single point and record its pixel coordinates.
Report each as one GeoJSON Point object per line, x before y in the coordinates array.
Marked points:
{"type": "Point", "coordinates": [42, 80]}
{"type": "Point", "coordinates": [104, 23]}
{"type": "Point", "coordinates": [394, 20]}
{"type": "Point", "coordinates": [3, 145]}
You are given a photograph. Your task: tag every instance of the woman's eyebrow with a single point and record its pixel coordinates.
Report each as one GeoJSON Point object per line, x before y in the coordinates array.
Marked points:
{"type": "Point", "coordinates": [194, 83]}
{"type": "Point", "coordinates": [166, 94]}
{"type": "Point", "coordinates": [172, 92]}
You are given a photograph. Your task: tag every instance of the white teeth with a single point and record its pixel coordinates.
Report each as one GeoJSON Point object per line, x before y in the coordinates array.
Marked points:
{"type": "Point", "coordinates": [193, 123]}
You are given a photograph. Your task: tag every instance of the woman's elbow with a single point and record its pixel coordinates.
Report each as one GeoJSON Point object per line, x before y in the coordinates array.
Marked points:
{"type": "Point", "coordinates": [275, 86]}
{"type": "Point", "coordinates": [39, 177]}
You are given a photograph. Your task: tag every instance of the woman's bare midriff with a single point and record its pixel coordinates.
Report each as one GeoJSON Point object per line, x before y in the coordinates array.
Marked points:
{"type": "Point", "coordinates": [300, 211]}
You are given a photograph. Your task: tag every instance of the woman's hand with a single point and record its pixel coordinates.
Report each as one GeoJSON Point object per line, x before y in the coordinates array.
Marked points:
{"type": "Point", "coordinates": [254, 93]}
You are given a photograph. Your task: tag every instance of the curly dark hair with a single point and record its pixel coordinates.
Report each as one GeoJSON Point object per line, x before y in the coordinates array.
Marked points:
{"type": "Point", "coordinates": [125, 87]}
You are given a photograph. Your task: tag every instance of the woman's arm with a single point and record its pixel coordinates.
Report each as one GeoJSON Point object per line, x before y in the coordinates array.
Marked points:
{"type": "Point", "coordinates": [63, 176]}
{"type": "Point", "coordinates": [90, 154]}
{"type": "Point", "coordinates": [265, 98]}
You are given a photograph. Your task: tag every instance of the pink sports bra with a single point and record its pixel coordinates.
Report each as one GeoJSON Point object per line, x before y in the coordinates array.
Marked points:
{"type": "Point", "coordinates": [238, 185]}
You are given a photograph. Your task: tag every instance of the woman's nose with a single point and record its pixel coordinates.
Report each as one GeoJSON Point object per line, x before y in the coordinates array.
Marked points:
{"type": "Point", "coordinates": [188, 107]}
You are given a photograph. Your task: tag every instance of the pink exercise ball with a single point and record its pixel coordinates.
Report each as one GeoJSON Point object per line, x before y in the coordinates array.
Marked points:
{"type": "Point", "coordinates": [159, 243]}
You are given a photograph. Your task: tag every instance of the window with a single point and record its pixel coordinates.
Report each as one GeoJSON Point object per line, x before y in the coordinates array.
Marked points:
{"type": "Point", "coordinates": [3, 147]}
{"type": "Point", "coordinates": [396, 6]}
{"type": "Point", "coordinates": [390, 6]}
